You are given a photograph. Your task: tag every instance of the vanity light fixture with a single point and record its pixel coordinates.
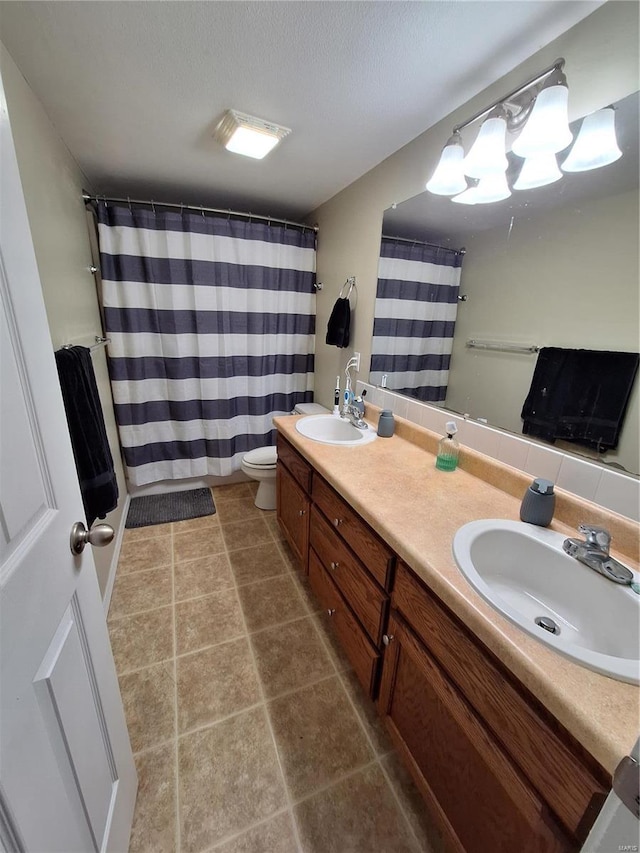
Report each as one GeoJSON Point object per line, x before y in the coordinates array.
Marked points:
{"type": "Point", "coordinates": [248, 135]}
{"type": "Point", "coordinates": [596, 144]}
{"type": "Point", "coordinates": [487, 155]}
{"type": "Point", "coordinates": [537, 114]}
{"type": "Point", "coordinates": [448, 178]}
{"type": "Point", "coordinates": [538, 171]}
{"type": "Point", "coordinates": [546, 130]}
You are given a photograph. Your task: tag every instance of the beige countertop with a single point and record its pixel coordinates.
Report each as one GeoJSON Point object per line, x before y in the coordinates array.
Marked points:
{"type": "Point", "coordinates": [416, 509]}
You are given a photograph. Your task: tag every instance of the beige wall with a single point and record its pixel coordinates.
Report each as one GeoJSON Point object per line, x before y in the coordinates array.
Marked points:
{"type": "Point", "coordinates": [601, 55]}
{"type": "Point", "coordinates": [52, 184]}
{"type": "Point", "coordinates": [556, 280]}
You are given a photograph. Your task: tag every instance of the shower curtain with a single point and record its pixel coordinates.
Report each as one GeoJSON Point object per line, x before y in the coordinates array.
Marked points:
{"type": "Point", "coordinates": [415, 315]}
{"type": "Point", "coordinates": [212, 324]}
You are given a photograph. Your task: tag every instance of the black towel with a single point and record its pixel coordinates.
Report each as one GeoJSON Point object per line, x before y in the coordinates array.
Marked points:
{"type": "Point", "coordinates": [91, 451]}
{"type": "Point", "coordinates": [580, 396]}
{"type": "Point", "coordinates": [339, 323]}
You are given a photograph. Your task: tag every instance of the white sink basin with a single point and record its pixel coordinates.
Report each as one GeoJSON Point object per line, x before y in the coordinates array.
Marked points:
{"type": "Point", "coordinates": [328, 429]}
{"type": "Point", "coordinates": [522, 571]}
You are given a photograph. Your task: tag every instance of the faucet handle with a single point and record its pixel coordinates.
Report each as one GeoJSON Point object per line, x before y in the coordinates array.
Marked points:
{"type": "Point", "coordinates": [598, 536]}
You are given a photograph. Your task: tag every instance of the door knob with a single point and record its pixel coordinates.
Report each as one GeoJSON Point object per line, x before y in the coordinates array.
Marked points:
{"type": "Point", "coordinates": [99, 535]}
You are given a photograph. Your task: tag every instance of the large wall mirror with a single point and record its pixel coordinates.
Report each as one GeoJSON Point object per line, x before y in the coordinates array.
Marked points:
{"type": "Point", "coordinates": [552, 267]}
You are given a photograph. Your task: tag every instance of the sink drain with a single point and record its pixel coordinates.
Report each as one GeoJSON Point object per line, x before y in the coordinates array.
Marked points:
{"type": "Point", "coordinates": [547, 623]}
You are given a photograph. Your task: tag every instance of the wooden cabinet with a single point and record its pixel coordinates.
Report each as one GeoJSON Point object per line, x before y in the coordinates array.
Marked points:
{"type": "Point", "coordinates": [362, 654]}
{"type": "Point", "coordinates": [292, 500]}
{"type": "Point", "coordinates": [496, 770]}
{"type": "Point", "coordinates": [477, 796]}
{"type": "Point", "coordinates": [498, 739]}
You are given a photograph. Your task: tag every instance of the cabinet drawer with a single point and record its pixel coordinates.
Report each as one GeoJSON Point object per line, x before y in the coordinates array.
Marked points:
{"type": "Point", "coordinates": [373, 552]}
{"type": "Point", "coordinates": [362, 593]}
{"type": "Point", "coordinates": [298, 467]}
{"type": "Point", "coordinates": [559, 768]}
{"type": "Point", "coordinates": [362, 655]}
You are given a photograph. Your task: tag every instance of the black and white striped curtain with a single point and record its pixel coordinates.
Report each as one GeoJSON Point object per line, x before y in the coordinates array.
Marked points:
{"type": "Point", "coordinates": [212, 324]}
{"type": "Point", "coordinates": [415, 315]}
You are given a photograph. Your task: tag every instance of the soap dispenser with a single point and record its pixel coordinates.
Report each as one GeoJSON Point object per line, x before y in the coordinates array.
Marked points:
{"type": "Point", "coordinates": [538, 503]}
{"type": "Point", "coordinates": [448, 449]}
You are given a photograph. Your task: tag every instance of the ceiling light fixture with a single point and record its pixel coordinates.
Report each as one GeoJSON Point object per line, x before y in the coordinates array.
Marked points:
{"type": "Point", "coordinates": [248, 135]}
{"type": "Point", "coordinates": [537, 112]}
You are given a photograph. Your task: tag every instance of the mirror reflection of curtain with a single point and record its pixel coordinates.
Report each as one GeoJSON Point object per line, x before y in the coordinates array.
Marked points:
{"type": "Point", "coordinates": [415, 315]}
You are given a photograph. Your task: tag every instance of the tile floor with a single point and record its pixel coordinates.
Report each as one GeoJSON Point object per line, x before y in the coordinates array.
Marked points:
{"type": "Point", "coordinates": [250, 732]}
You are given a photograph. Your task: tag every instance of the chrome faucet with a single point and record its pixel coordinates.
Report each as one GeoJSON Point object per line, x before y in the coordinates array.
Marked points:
{"type": "Point", "coordinates": [593, 551]}
{"type": "Point", "coordinates": [353, 414]}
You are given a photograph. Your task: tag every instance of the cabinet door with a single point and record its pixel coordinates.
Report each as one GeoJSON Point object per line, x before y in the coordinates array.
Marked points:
{"type": "Point", "coordinates": [293, 514]}
{"type": "Point", "coordinates": [476, 794]}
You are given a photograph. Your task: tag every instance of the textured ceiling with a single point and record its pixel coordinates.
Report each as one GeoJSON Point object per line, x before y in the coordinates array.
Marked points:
{"type": "Point", "coordinates": [136, 88]}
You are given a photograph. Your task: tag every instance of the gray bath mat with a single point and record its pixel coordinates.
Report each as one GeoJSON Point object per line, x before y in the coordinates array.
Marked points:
{"type": "Point", "coordinates": [174, 506]}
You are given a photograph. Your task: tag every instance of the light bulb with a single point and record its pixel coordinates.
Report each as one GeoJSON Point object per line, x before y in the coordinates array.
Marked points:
{"type": "Point", "coordinates": [448, 178]}
{"type": "Point", "coordinates": [547, 128]}
{"type": "Point", "coordinates": [487, 155]}
{"type": "Point", "coordinates": [538, 172]}
{"type": "Point", "coordinates": [596, 144]}
{"type": "Point", "coordinates": [467, 197]}
{"type": "Point", "coordinates": [492, 188]}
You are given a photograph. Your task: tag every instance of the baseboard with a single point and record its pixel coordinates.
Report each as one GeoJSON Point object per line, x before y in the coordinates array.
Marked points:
{"type": "Point", "coordinates": [106, 601]}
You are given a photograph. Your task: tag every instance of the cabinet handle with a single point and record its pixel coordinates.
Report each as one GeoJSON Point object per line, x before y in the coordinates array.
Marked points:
{"type": "Point", "coordinates": [334, 566]}
{"type": "Point", "coordinates": [302, 512]}
{"type": "Point", "coordinates": [337, 522]}
{"type": "Point", "coordinates": [331, 611]}
{"type": "Point", "coordinates": [387, 638]}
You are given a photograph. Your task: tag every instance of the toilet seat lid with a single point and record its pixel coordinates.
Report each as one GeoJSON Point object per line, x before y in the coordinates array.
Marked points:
{"type": "Point", "coordinates": [262, 457]}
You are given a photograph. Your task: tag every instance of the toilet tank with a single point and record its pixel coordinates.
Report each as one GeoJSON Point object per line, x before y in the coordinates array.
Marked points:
{"type": "Point", "coordinates": [310, 409]}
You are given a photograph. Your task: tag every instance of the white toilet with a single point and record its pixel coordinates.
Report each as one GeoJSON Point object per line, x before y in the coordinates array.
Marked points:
{"type": "Point", "coordinates": [260, 464]}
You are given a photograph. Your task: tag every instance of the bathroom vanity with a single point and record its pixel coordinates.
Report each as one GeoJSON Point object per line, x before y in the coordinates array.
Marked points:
{"type": "Point", "coordinates": [511, 746]}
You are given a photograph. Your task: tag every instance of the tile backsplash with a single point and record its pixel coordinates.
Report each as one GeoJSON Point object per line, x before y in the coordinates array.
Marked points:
{"type": "Point", "coordinates": [616, 491]}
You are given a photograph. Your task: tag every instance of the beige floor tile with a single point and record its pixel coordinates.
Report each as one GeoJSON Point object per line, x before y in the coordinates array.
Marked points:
{"type": "Point", "coordinates": [152, 531]}
{"type": "Point", "coordinates": [290, 558]}
{"type": "Point", "coordinates": [229, 779]}
{"type": "Point", "coordinates": [238, 510]}
{"type": "Point", "coordinates": [154, 820]}
{"type": "Point", "coordinates": [336, 652]}
{"type": "Point", "coordinates": [148, 697]}
{"type": "Point", "coordinates": [319, 737]}
{"type": "Point", "coordinates": [133, 593]}
{"type": "Point", "coordinates": [195, 544]}
{"type": "Point", "coordinates": [257, 563]}
{"type": "Point", "coordinates": [273, 836]}
{"type": "Point", "coordinates": [192, 525]}
{"type": "Point", "coordinates": [358, 814]}
{"type": "Point", "coordinates": [138, 555]}
{"type": "Point", "coordinates": [271, 602]}
{"type": "Point", "coordinates": [241, 534]}
{"type": "Point", "coordinates": [230, 493]}
{"type": "Point", "coordinates": [142, 640]}
{"type": "Point", "coordinates": [303, 586]}
{"type": "Point", "coordinates": [290, 656]}
{"type": "Point", "coordinates": [194, 578]}
{"type": "Point", "coordinates": [215, 683]}
{"type": "Point", "coordinates": [274, 527]}
{"type": "Point", "coordinates": [429, 838]}
{"type": "Point", "coordinates": [207, 621]}
{"type": "Point", "coordinates": [367, 713]}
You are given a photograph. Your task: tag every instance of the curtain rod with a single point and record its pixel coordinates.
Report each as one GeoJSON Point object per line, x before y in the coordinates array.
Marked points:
{"type": "Point", "coordinates": [462, 251]}
{"type": "Point", "coordinates": [198, 209]}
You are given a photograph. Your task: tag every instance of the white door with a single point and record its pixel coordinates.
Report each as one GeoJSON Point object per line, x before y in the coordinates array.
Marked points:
{"type": "Point", "coordinates": [617, 827]}
{"type": "Point", "coordinates": [67, 777]}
